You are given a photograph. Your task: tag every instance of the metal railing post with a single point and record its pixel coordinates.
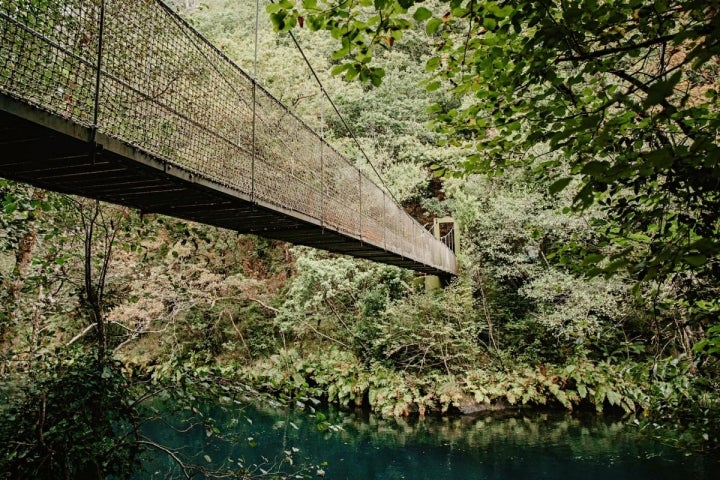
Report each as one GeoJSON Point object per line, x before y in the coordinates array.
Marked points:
{"type": "Point", "coordinates": [254, 100]}
{"type": "Point", "coordinates": [254, 142]}
{"type": "Point", "coordinates": [384, 222]}
{"type": "Point", "coordinates": [98, 74]}
{"type": "Point", "coordinates": [322, 168]}
{"type": "Point", "coordinates": [360, 202]}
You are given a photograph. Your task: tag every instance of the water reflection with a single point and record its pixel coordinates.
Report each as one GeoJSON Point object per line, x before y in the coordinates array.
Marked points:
{"type": "Point", "coordinates": [361, 446]}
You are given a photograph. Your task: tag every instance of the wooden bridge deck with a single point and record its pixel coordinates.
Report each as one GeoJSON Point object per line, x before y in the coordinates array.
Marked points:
{"type": "Point", "coordinates": [122, 101]}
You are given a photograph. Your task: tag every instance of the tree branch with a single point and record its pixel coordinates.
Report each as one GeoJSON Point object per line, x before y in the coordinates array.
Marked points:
{"type": "Point", "coordinates": [644, 87]}
{"type": "Point", "coordinates": [185, 469]}
{"type": "Point", "coordinates": [580, 56]}
{"type": "Point", "coordinates": [81, 334]}
{"type": "Point", "coordinates": [264, 305]}
{"type": "Point", "coordinates": [318, 332]}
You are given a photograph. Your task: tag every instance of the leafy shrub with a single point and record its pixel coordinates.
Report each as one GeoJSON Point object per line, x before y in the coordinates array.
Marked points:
{"type": "Point", "coordinates": [583, 384]}
{"type": "Point", "coordinates": [75, 419]}
{"type": "Point", "coordinates": [339, 299]}
{"type": "Point", "coordinates": [435, 332]}
{"type": "Point", "coordinates": [683, 407]}
{"type": "Point", "coordinates": [335, 377]}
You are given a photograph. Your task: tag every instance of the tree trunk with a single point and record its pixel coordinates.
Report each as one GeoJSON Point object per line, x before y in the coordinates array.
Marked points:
{"type": "Point", "coordinates": [23, 257]}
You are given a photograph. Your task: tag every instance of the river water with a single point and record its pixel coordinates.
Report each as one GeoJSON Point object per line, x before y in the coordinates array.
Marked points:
{"type": "Point", "coordinates": [358, 446]}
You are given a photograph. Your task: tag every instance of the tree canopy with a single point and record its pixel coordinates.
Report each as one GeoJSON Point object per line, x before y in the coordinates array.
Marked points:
{"type": "Point", "coordinates": [616, 100]}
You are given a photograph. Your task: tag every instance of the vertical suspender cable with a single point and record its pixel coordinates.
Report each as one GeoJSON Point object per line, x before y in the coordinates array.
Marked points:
{"type": "Point", "coordinates": [254, 143]}
{"type": "Point", "coordinates": [360, 202]}
{"type": "Point", "coordinates": [339, 115]}
{"type": "Point", "coordinates": [384, 222]}
{"type": "Point", "coordinates": [254, 106]}
{"type": "Point", "coordinates": [322, 165]}
{"type": "Point", "coordinates": [96, 111]}
{"type": "Point", "coordinates": [257, 27]}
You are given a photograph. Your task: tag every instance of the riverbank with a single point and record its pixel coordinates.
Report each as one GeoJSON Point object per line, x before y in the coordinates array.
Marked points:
{"type": "Point", "coordinates": [676, 405]}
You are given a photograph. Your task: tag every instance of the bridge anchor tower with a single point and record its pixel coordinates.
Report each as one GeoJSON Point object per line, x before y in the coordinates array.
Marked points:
{"type": "Point", "coordinates": [447, 230]}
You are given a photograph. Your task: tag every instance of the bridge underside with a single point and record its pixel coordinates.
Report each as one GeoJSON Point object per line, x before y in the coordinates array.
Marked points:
{"type": "Point", "coordinates": [50, 152]}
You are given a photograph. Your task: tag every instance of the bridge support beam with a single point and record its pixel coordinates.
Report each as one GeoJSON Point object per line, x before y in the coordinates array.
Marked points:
{"type": "Point", "coordinates": [432, 283]}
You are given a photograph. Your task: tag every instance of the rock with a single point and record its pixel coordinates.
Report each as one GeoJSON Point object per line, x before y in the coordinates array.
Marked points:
{"type": "Point", "coordinates": [468, 406]}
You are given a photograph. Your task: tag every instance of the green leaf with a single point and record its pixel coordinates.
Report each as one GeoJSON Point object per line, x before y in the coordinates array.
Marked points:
{"type": "Point", "coordinates": [459, 12]}
{"type": "Point", "coordinates": [432, 64]}
{"type": "Point", "coordinates": [661, 159]}
{"type": "Point", "coordinates": [558, 185]}
{"type": "Point", "coordinates": [351, 72]}
{"type": "Point", "coordinates": [432, 26]}
{"type": "Point", "coordinates": [421, 14]}
{"type": "Point", "coordinates": [660, 90]}
{"type": "Point", "coordinates": [499, 12]}
{"type": "Point", "coordinates": [593, 258]}
{"type": "Point", "coordinates": [613, 398]}
{"type": "Point", "coordinates": [279, 22]}
{"type": "Point", "coordinates": [364, 57]}
{"type": "Point", "coordinates": [582, 390]}
{"type": "Point", "coordinates": [489, 23]}
{"type": "Point", "coordinates": [338, 69]}
{"type": "Point", "coordinates": [376, 76]}
{"type": "Point", "coordinates": [695, 260]}
{"type": "Point", "coordinates": [434, 108]}
{"type": "Point", "coordinates": [595, 168]}
{"type": "Point", "coordinates": [433, 86]}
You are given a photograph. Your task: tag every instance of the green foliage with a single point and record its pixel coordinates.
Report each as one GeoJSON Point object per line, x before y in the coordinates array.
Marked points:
{"type": "Point", "coordinates": [436, 332]}
{"type": "Point", "coordinates": [514, 238]}
{"type": "Point", "coordinates": [635, 132]}
{"type": "Point", "coordinates": [610, 109]}
{"type": "Point", "coordinates": [577, 312]}
{"type": "Point", "coordinates": [711, 344]}
{"type": "Point", "coordinates": [75, 419]}
{"type": "Point", "coordinates": [18, 210]}
{"type": "Point", "coordinates": [28, 216]}
{"type": "Point", "coordinates": [339, 299]}
{"type": "Point", "coordinates": [335, 376]}
{"type": "Point", "coordinates": [615, 103]}
{"type": "Point", "coordinates": [580, 384]}
{"type": "Point", "coordinates": [683, 408]}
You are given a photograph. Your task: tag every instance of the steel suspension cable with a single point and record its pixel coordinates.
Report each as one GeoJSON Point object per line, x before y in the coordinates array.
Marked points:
{"type": "Point", "coordinates": [340, 116]}
{"type": "Point", "coordinates": [257, 27]}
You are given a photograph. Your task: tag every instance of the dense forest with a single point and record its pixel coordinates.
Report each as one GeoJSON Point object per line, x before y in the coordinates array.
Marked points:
{"type": "Point", "coordinates": [575, 144]}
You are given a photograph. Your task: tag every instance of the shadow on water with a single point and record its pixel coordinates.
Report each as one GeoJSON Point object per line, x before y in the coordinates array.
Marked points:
{"type": "Point", "coordinates": [358, 445]}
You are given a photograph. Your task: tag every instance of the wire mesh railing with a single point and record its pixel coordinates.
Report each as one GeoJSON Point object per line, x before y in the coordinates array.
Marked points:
{"type": "Point", "coordinates": [134, 70]}
{"type": "Point", "coordinates": [449, 239]}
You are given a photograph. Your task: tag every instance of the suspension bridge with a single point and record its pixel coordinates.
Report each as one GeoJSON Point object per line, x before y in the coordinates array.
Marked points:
{"type": "Point", "coordinates": [125, 102]}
